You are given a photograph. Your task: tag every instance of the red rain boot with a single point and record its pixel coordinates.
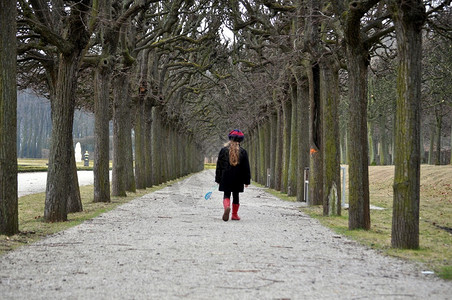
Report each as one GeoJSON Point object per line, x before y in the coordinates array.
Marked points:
{"type": "Point", "coordinates": [227, 208]}
{"type": "Point", "coordinates": [235, 209]}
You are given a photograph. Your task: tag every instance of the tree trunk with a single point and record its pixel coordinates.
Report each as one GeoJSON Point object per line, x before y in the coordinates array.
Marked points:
{"type": "Point", "coordinates": [432, 143]}
{"type": "Point", "coordinates": [315, 138]}
{"type": "Point", "coordinates": [302, 132]}
{"type": "Point", "coordinates": [180, 154]}
{"type": "Point", "coordinates": [141, 124]}
{"type": "Point", "coordinates": [248, 144]}
{"type": "Point", "coordinates": [120, 127]}
{"type": "Point", "coordinates": [171, 151]}
{"type": "Point", "coordinates": [254, 158]}
{"type": "Point", "coordinates": [74, 200]}
{"type": "Point", "coordinates": [279, 149]}
{"type": "Point", "coordinates": [383, 143]}
{"type": "Point", "coordinates": [272, 148]}
{"type": "Point", "coordinates": [330, 136]}
{"type": "Point", "coordinates": [358, 158]}
{"type": "Point", "coordinates": [421, 145]}
{"type": "Point", "coordinates": [359, 206]}
{"type": "Point", "coordinates": [129, 170]}
{"type": "Point", "coordinates": [293, 155]}
{"type": "Point", "coordinates": [101, 132]}
{"type": "Point", "coordinates": [156, 147]}
{"type": "Point", "coordinates": [344, 148]}
{"type": "Point", "coordinates": [148, 144]}
{"type": "Point", "coordinates": [261, 153]}
{"type": "Point", "coordinates": [268, 166]}
{"type": "Point", "coordinates": [370, 135]}
{"type": "Point", "coordinates": [287, 116]}
{"type": "Point", "coordinates": [60, 176]}
{"type": "Point", "coordinates": [9, 219]}
{"type": "Point", "coordinates": [123, 177]}
{"type": "Point", "coordinates": [373, 143]}
{"type": "Point", "coordinates": [165, 145]}
{"type": "Point", "coordinates": [255, 150]}
{"type": "Point", "coordinates": [409, 17]}
{"type": "Point", "coordinates": [439, 125]}
{"type": "Point", "coordinates": [140, 156]}
{"type": "Point", "coordinates": [62, 179]}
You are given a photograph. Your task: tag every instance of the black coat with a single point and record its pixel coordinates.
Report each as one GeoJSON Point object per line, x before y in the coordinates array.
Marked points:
{"type": "Point", "coordinates": [232, 178]}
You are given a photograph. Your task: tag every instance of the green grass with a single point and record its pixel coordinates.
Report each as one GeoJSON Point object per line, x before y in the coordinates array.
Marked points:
{"type": "Point", "coordinates": [210, 166]}
{"type": "Point", "coordinates": [31, 165]}
{"type": "Point", "coordinates": [40, 165]}
{"type": "Point", "coordinates": [446, 272]}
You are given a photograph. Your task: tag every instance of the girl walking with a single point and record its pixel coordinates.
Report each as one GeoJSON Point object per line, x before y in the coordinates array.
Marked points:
{"type": "Point", "coordinates": [232, 173]}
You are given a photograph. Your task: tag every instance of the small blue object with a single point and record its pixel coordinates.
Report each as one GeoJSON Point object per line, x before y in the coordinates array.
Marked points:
{"type": "Point", "coordinates": [207, 196]}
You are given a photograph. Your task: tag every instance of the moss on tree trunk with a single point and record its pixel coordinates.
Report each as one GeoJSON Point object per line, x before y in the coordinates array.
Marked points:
{"type": "Point", "coordinates": [408, 20]}
{"type": "Point", "coordinates": [287, 116]}
{"type": "Point", "coordinates": [357, 53]}
{"type": "Point", "coordinates": [329, 75]}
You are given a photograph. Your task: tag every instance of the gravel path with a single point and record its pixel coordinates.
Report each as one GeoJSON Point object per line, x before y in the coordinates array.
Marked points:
{"type": "Point", "coordinates": [172, 244]}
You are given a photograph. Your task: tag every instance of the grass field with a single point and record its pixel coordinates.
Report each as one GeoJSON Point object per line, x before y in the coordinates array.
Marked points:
{"type": "Point", "coordinates": [40, 165]}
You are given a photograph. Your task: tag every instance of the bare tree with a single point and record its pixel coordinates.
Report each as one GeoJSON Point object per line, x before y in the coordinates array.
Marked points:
{"type": "Point", "coordinates": [112, 16]}
{"type": "Point", "coordinates": [67, 28]}
{"type": "Point", "coordinates": [363, 24]}
{"type": "Point", "coordinates": [436, 89]}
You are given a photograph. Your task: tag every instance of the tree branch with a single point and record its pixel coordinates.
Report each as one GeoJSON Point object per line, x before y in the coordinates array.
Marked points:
{"type": "Point", "coordinates": [46, 33]}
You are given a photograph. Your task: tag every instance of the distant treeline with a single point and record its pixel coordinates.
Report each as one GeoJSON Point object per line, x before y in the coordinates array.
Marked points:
{"type": "Point", "coordinates": [34, 126]}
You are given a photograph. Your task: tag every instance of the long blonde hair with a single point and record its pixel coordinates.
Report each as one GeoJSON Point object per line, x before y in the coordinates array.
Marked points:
{"type": "Point", "coordinates": [234, 152]}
